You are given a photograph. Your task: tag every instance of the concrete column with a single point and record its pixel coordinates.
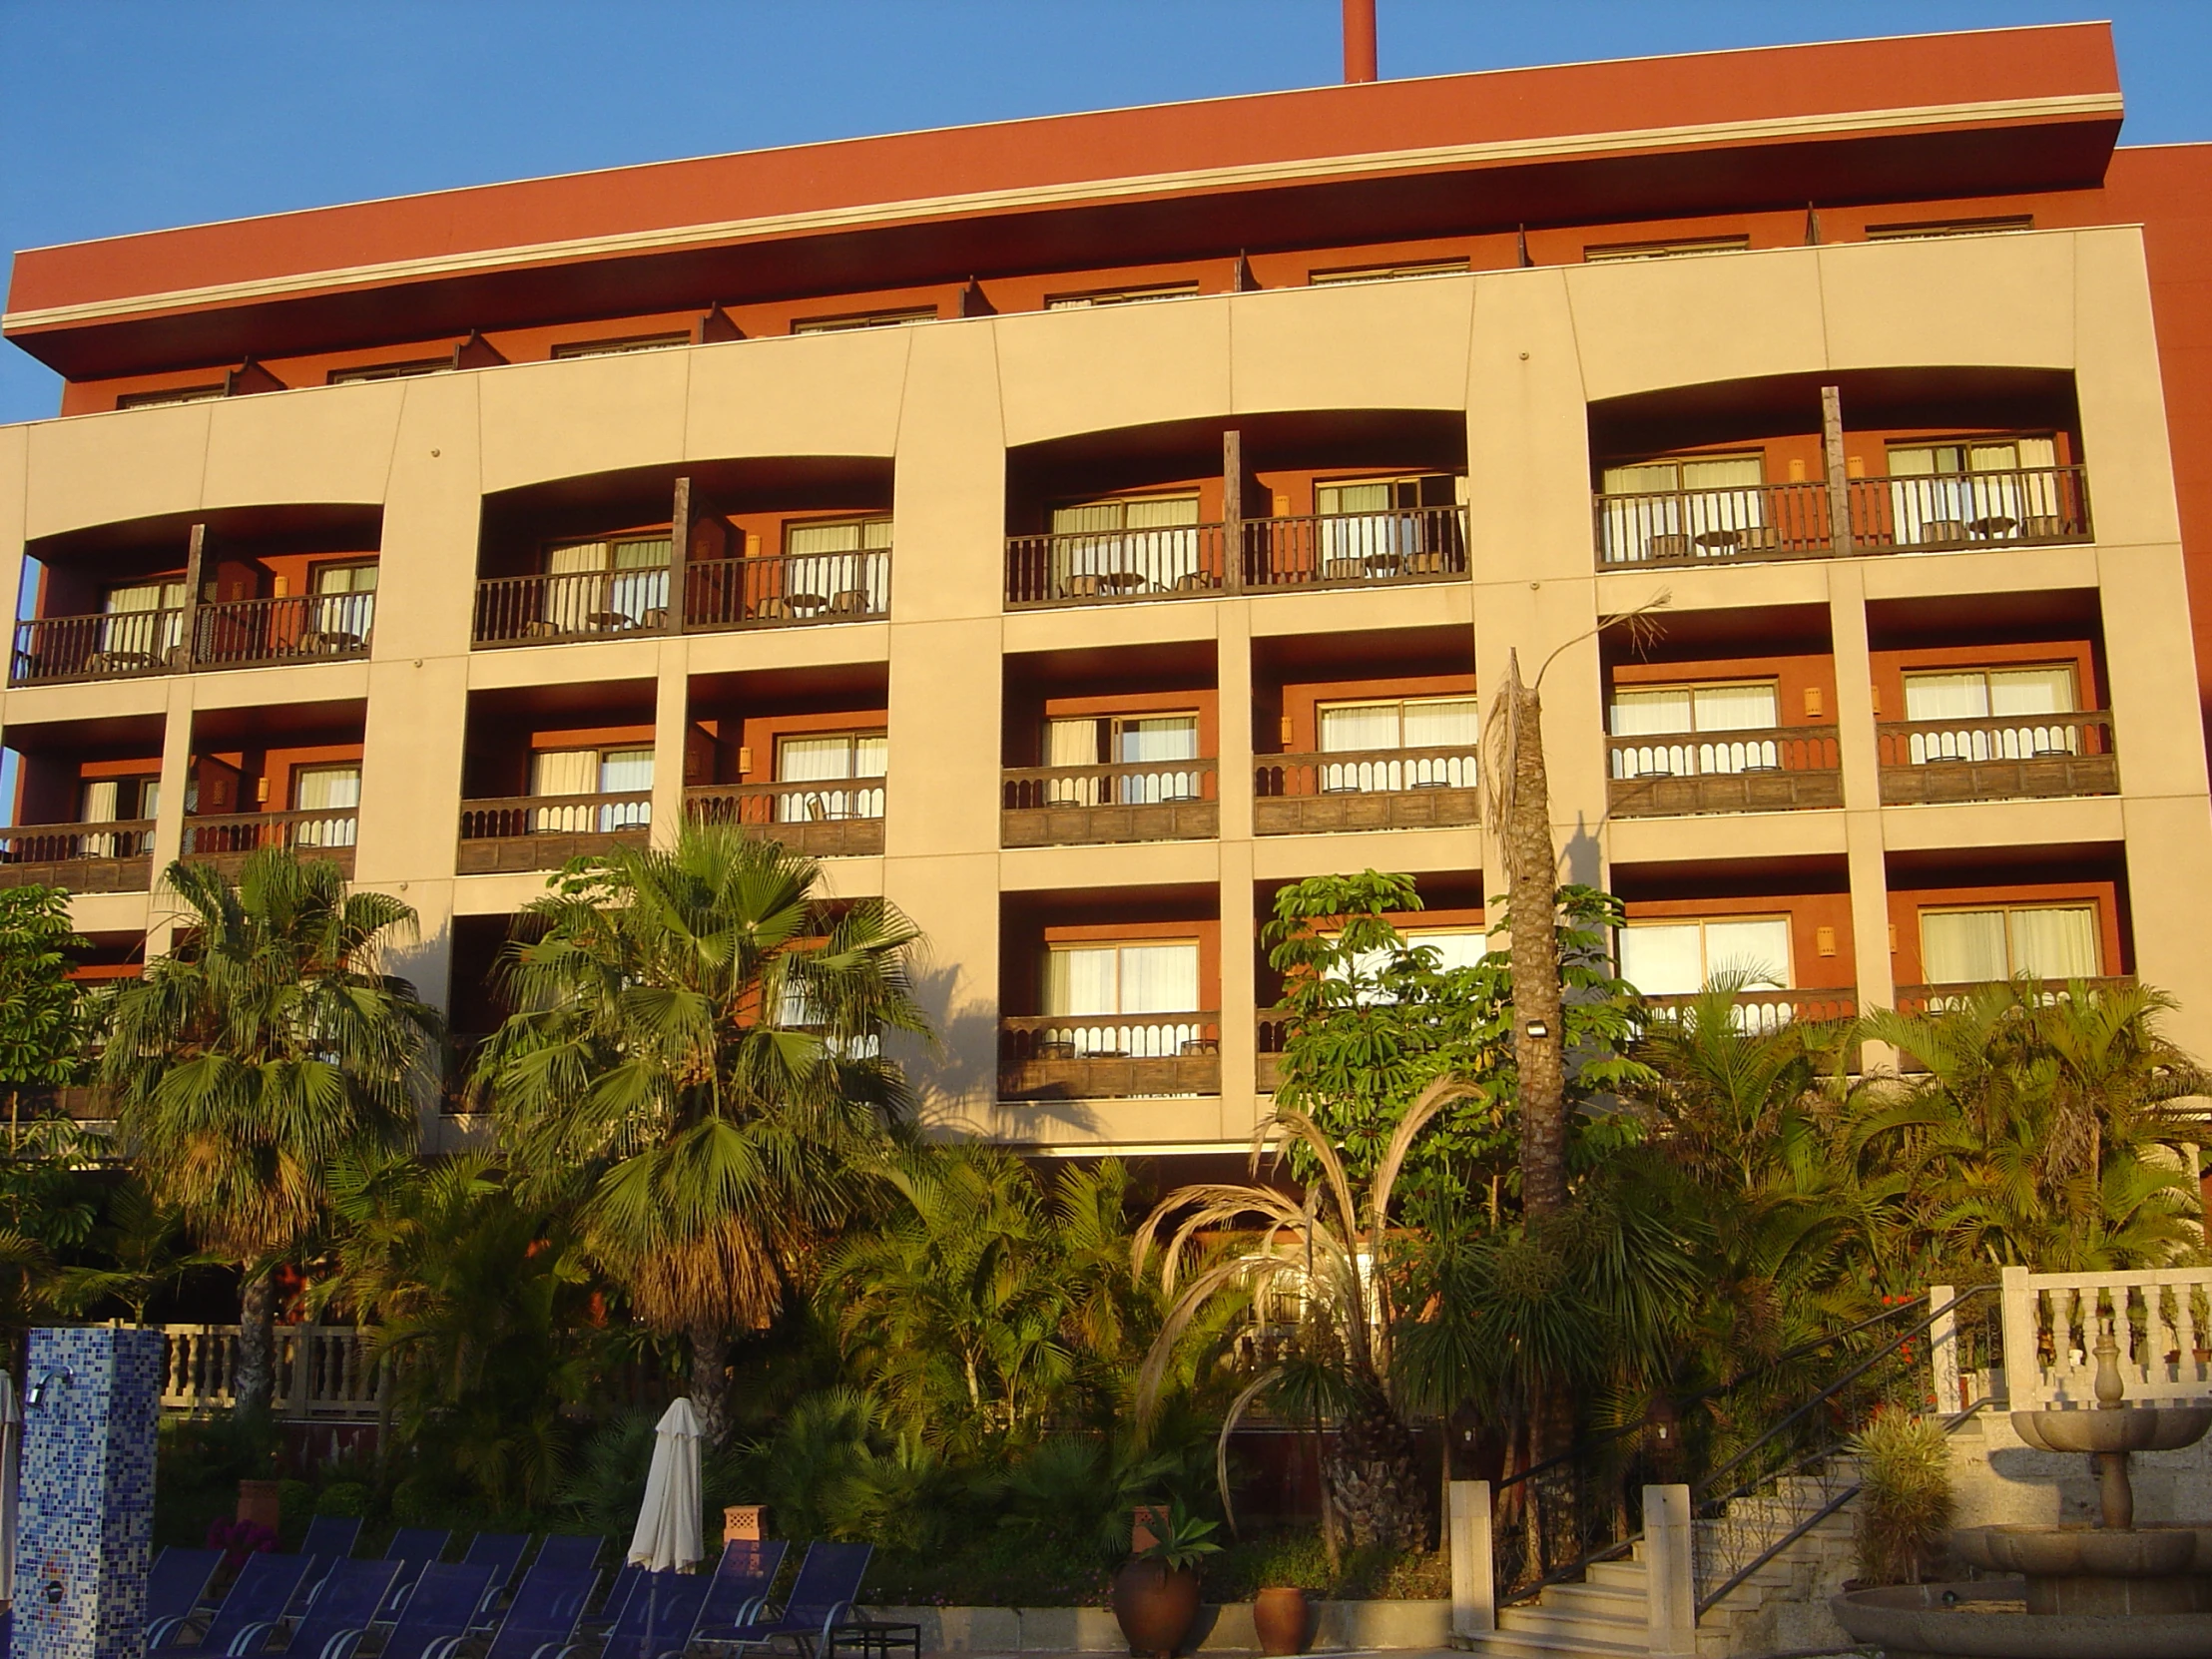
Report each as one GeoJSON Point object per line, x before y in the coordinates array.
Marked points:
{"type": "Point", "coordinates": [1856, 744]}
{"type": "Point", "coordinates": [1942, 1351]}
{"type": "Point", "coordinates": [670, 714]}
{"type": "Point", "coordinates": [1672, 1573]}
{"type": "Point", "coordinates": [1473, 1573]}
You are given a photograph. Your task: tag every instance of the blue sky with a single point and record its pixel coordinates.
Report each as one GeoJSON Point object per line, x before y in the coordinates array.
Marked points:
{"type": "Point", "coordinates": [126, 114]}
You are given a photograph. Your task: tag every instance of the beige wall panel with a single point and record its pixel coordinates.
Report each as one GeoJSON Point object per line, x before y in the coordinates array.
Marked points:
{"type": "Point", "coordinates": [15, 447]}
{"type": "Point", "coordinates": [2123, 407]}
{"type": "Point", "coordinates": [599, 415]}
{"type": "Point", "coordinates": [852, 877]}
{"type": "Point", "coordinates": [759, 648]}
{"type": "Point", "coordinates": [2150, 660]}
{"type": "Point", "coordinates": [807, 395]}
{"type": "Point", "coordinates": [1659, 840]}
{"type": "Point", "coordinates": [1088, 626]}
{"type": "Point", "coordinates": [1110, 868]}
{"type": "Point", "coordinates": [330, 444]}
{"type": "Point", "coordinates": [280, 687]}
{"type": "Point", "coordinates": [1643, 323]}
{"type": "Point", "coordinates": [949, 502]}
{"type": "Point", "coordinates": [426, 960]}
{"type": "Point", "coordinates": [955, 901]}
{"type": "Point", "coordinates": [1528, 469]}
{"type": "Point", "coordinates": [2065, 823]}
{"type": "Point", "coordinates": [411, 770]}
{"type": "Point", "coordinates": [112, 912]}
{"type": "Point", "coordinates": [426, 593]}
{"type": "Point", "coordinates": [2172, 920]}
{"type": "Point", "coordinates": [93, 700]}
{"type": "Point", "coordinates": [2022, 570]}
{"type": "Point", "coordinates": [1356, 346]}
{"type": "Point", "coordinates": [1955, 301]}
{"type": "Point", "coordinates": [1536, 619]}
{"type": "Point", "coordinates": [943, 793]}
{"type": "Point", "coordinates": [108, 468]}
{"type": "Point", "coordinates": [496, 896]}
{"type": "Point", "coordinates": [587, 662]}
{"type": "Point", "coordinates": [1414, 851]}
{"type": "Point", "coordinates": [1120, 366]}
{"type": "Point", "coordinates": [1338, 610]}
{"type": "Point", "coordinates": [1738, 586]}
{"type": "Point", "coordinates": [1073, 1123]}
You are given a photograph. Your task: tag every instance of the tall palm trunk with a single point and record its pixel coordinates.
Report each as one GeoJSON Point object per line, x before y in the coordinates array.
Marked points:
{"type": "Point", "coordinates": [1532, 903]}
{"type": "Point", "coordinates": [253, 1383]}
{"type": "Point", "coordinates": [1373, 1475]}
{"type": "Point", "coordinates": [710, 1379]}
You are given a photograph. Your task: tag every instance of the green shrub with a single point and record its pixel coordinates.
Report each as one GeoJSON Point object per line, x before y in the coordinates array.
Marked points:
{"type": "Point", "coordinates": [1905, 1507]}
{"type": "Point", "coordinates": [343, 1497]}
{"type": "Point", "coordinates": [294, 1504]}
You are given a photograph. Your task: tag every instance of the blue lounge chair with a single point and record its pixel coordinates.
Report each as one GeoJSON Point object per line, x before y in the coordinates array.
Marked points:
{"type": "Point", "coordinates": [821, 1598]}
{"type": "Point", "coordinates": [743, 1578]}
{"type": "Point", "coordinates": [439, 1611]}
{"type": "Point", "coordinates": [174, 1587]}
{"type": "Point", "coordinates": [259, 1596]}
{"type": "Point", "coordinates": [500, 1551]}
{"type": "Point", "coordinates": [350, 1595]}
{"type": "Point", "coordinates": [617, 1594]}
{"type": "Point", "coordinates": [331, 1537]}
{"type": "Point", "coordinates": [574, 1552]}
{"type": "Point", "coordinates": [542, 1619]}
{"type": "Point", "coordinates": [413, 1547]}
{"type": "Point", "coordinates": [657, 1620]}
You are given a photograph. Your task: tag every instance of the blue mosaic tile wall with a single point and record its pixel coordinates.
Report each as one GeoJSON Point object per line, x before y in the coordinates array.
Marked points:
{"type": "Point", "coordinates": [85, 1520]}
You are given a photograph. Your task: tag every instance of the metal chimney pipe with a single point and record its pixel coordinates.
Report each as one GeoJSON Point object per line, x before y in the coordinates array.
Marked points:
{"type": "Point", "coordinates": [1359, 41]}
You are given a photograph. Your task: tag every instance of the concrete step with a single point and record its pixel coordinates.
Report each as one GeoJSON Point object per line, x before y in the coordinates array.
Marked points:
{"type": "Point", "coordinates": [1532, 1644]}
{"type": "Point", "coordinates": [1626, 1576]}
{"type": "Point", "coordinates": [1563, 1621]}
{"type": "Point", "coordinates": [1600, 1600]}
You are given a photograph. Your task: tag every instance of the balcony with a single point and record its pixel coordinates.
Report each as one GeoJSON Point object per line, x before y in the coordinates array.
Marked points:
{"type": "Point", "coordinates": [1947, 512]}
{"type": "Point", "coordinates": [1788, 769]}
{"type": "Point", "coordinates": [1381, 789]}
{"type": "Point", "coordinates": [544, 832]}
{"type": "Point", "coordinates": [2037, 756]}
{"type": "Point", "coordinates": [1151, 801]}
{"type": "Point", "coordinates": [1109, 1056]}
{"type": "Point", "coordinates": [1769, 1010]}
{"type": "Point", "coordinates": [1338, 551]}
{"type": "Point", "coordinates": [116, 856]}
{"type": "Point", "coordinates": [237, 633]}
{"type": "Point", "coordinates": [812, 819]}
{"type": "Point", "coordinates": [226, 841]}
{"type": "Point", "coordinates": [1936, 999]}
{"type": "Point", "coordinates": [719, 595]}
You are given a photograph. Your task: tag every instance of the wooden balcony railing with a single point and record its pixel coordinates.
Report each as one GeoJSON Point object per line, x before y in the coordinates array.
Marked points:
{"type": "Point", "coordinates": [1786, 769]}
{"type": "Point", "coordinates": [818, 820]}
{"type": "Point", "coordinates": [719, 594]}
{"type": "Point", "coordinates": [1940, 512]}
{"type": "Point", "coordinates": [1145, 800]}
{"type": "Point", "coordinates": [1368, 788]}
{"type": "Point", "coordinates": [326, 831]}
{"type": "Point", "coordinates": [1343, 550]}
{"type": "Point", "coordinates": [2018, 758]}
{"type": "Point", "coordinates": [326, 1373]}
{"type": "Point", "coordinates": [116, 856]}
{"type": "Point", "coordinates": [544, 832]}
{"type": "Point", "coordinates": [1922, 999]}
{"type": "Point", "coordinates": [1768, 1010]}
{"type": "Point", "coordinates": [231, 633]}
{"type": "Point", "coordinates": [1274, 1034]}
{"type": "Point", "coordinates": [1109, 1056]}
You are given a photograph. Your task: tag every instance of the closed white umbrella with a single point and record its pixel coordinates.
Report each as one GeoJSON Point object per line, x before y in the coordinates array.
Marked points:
{"type": "Point", "coordinates": [668, 1533]}
{"type": "Point", "coordinates": [11, 1460]}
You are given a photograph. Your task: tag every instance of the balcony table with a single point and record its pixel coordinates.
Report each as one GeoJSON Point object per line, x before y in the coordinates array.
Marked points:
{"type": "Point", "coordinates": [331, 641]}
{"type": "Point", "coordinates": [808, 602]}
{"type": "Point", "coordinates": [1384, 564]}
{"type": "Point", "coordinates": [1995, 525]}
{"type": "Point", "coordinates": [1720, 541]}
{"type": "Point", "coordinates": [111, 662]}
{"type": "Point", "coordinates": [610, 622]}
{"type": "Point", "coordinates": [1121, 581]}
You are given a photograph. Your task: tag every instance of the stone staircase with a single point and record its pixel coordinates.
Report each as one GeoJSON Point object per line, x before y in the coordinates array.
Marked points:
{"type": "Point", "coordinates": [1783, 1608]}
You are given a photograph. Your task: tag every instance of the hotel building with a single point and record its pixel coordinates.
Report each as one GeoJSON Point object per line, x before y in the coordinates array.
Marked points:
{"type": "Point", "coordinates": [1074, 529]}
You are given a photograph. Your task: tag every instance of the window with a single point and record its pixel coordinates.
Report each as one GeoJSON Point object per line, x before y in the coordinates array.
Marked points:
{"type": "Point", "coordinates": [575, 772]}
{"type": "Point", "coordinates": [619, 347]}
{"type": "Point", "coordinates": [602, 586]}
{"type": "Point", "coordinates": [145, 623]}
{"type": "Point", "coordinates": [1127, 545]}
{"type": "Point", "coordinates": [366, 373]}
{"type": "Point", "coordinates": [175, 394]}
{"type": "Point", "coordinates": [1120, 297]}
{"type": "Point", "coordinates": [1948, 228]}
{"type": "Point", "coordinates": [1383, 730]}
{"type": "Point", "coordinates": [826, 757]}
{"type": "Point", "coordinates": [1456, 947]}
{"type": "Point", "coordinates": [119, 799]}
{"type": "Point", "coordinates": [1680, 958]}
{"type": "Point", "coordinates": [1669, 249]}
{"type": "Point", "coordinates": [1387, 273]}
{"type": "Point", "coordinates": [331, 790]}
{"type": "Point", "coordinates": [864, 320]}
{"type": "Point", "coordinates": [1990, 694]}
{"type": "Point", "coordinates": [839, 566]}
{"type": "Point", "coordinates": [1701, 713]}
{"type": "Point", "coordinates": [1127, 980]}
{"type": "Point", "coordinates": [1970, 947]}
{"type": "Point", "coordinates": [344, 602]}
{"type": "Point", "coordinates": [1382, 528]}
{"type": "Point", "coordinates": [1707, 505]}
{"type": "Point", "coordinates": [1154, 741]}
{"type": "Point", "coordinates": [1975, 489]}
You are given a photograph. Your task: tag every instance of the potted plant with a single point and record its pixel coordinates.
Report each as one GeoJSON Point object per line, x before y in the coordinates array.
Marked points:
{"type": "Point", "coordinates": [1281, 1615]}
{"type": "Point", "coordinates": [1156, 1591]}
{"type": "Point", "coordinates": [1905, 1509]}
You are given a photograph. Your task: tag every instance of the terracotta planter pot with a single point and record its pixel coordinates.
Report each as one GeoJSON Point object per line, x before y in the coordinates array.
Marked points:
{"type": "Point", "coordinates": [1281, 1616]}
{"type": "Point", "coordinates": [1155, 1608]}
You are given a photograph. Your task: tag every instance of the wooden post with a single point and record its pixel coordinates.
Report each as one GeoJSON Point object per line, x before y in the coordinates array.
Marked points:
{"type": "Point", "coordinates": [2023, 1376]}
{"type": "Point", "coordinates": [1231, 510]}
{"type": "Point", "coordinates": [1673, 1575]}
{"type": "Point", "coordinates": [195, 561]}
{"type": "Point", "coordinates": [1942, 1352]}
{"type": "Point", "coordinates": [679, 557]}
{"type": "Point", "coordinates": [1839, 488]}
{"type": "Point", "coordinates": [1473, 1573]}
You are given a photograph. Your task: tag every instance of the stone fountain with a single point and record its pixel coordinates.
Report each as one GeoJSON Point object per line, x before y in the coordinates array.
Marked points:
{"type": "Point", "coordinates": [2113, 1590]}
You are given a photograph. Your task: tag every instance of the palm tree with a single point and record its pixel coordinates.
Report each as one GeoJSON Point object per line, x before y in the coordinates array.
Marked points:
{"type": "Point", "coordinates": [697, 1060]}
{"type": "Point", "coordinates": [267, 1047]}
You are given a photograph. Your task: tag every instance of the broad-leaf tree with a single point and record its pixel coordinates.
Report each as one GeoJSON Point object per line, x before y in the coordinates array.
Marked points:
{"type": "Point", "coordinates": [42, 1010]}
{"type": "Point", "coordinates": [695, 1059]}
{"type": "Point", "coordinates": [266, 1048]}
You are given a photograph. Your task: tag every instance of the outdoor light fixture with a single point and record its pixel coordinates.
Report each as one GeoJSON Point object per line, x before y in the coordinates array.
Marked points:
{"type": "Point", "coordinates": [37, 1396]}
{"type": "Point", "coordinates": [1536, 1030]}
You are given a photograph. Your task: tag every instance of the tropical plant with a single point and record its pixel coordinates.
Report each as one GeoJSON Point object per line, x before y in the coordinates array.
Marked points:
{"type": "Point", "coordinates": [145, 1250]}
{"type": "Point", "coordinates": [697, 1062]}
{"type": "Point", "coordinates": [1180, 1539]}
{"type": "Point", "coordinates": [1905, 1504]}
{"type": "Point", "coordinates": [42, 1010]}
{"type": "Point", "coordinates": [264, 1048]}
{"type": "Point", "coordinates": [1318, 1273]}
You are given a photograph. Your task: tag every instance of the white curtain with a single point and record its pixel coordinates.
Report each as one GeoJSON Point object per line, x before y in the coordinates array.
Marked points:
{"type": "Point", "coordinates": [1360, 533]}
{"type": "Point", "coordinates": [841, 564]}
{"type": "Point", "coordinates": [1163, 537]}
{"type": "Point", "coordinates": [563, 771]}
{"type": "Point", "coordinates": [1736, 709]}
{"type": "Point", "coordinates": [1360, 725]}
{"type": "Point", "coordinates": [1653, 714]}
{"type": "Point", "coordinates": [1073, 743]}
{"type": "Point", "coordinates": [1440, 721]}
{"type": "Point", "coordinates": [2001, 694]}
{"type": "Point", "coordinates": [1663, 959]}
{"type": "Point", "coordinates": [1153, 741]}
{"type": "Point", "coordinates": [1125, 979]}
{"type": "Point", "coordinates": [102, 806]}
{"type": "Point", "coordinates": [1144, 544]}
{"type": "Point", "coordinates": [842, 755]}
{"type": "Point", "coordinates": [1681, 498]}
{"type": "Point", "coordinates": [146, 619]}
{"type": "Point", "coordinates": [344, 600]}
{"type": "Point", "coordinates": [1759, 949]}
{"type": "Point", "coordinates": [333, 789]}
{"type": "Point", "coordinates": [1082, 981]}
{"type": "Point", "coordinates": [1962, 947]}
{"type": "Point", "coordinates": [1456, 947]}
{"type": "Point", "coordinates": [2058, 943]}
{"type": "Point", "coordinates": [1946, 696]}
{"type": "Point", "coordinates": [2031, 690]}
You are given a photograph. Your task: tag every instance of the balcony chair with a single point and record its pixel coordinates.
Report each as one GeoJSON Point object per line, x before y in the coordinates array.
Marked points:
{"type": "Point", "coordinates": [259, 1596]}
{"type": "Point", "coordinates": [542, 1619]}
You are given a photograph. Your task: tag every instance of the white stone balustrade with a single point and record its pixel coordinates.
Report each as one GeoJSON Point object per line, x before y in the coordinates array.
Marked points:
{"type": "Point", "coordinates": [323, 1373]}
{"type": "Point", "coordinates": [2162, 1321]}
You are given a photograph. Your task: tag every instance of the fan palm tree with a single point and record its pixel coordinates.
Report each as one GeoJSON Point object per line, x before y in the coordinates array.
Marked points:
{"type": "Point", "coordinates": [697, 1060]}
{"type": "Point", "coordinates": [263, 1050]}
